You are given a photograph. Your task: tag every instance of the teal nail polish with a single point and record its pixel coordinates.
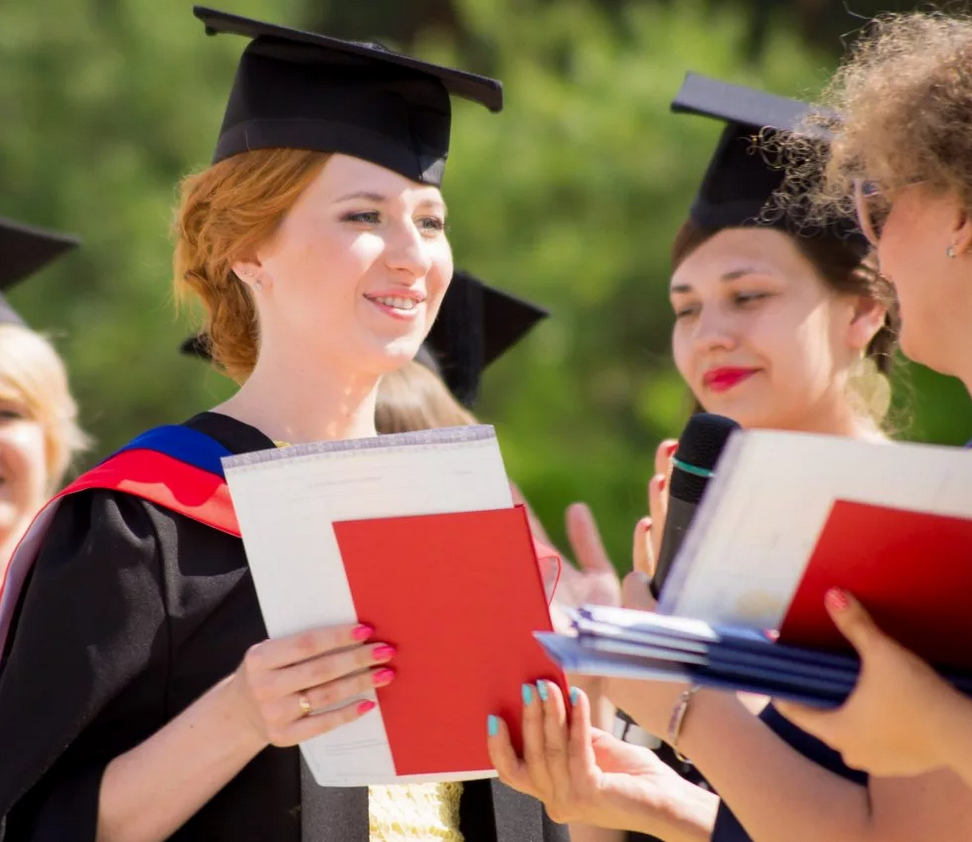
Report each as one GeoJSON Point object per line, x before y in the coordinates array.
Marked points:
{"type": "Point", "coordinates": [574, 695]}
{"type": "Point", "coordinates": [542, 690]}
{"type": "Point", "coordinates": [492, 725]}
{"type": "Point", "coordinates": [527, 694]}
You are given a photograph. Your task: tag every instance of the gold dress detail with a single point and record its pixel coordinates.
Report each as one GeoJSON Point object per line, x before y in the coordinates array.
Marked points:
{"type": "Point", "coordinates": [414, 811]}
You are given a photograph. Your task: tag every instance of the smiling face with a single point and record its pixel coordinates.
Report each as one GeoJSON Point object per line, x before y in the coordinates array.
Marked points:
{"type": "Point", "coordinates": [356, 271]}
{"type": "Point", "coordinates": [23, 465]}
{"type": "Point", "coordinates": [759, 336]}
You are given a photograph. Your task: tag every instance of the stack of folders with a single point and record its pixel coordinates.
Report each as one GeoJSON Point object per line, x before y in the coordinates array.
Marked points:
{"type": "Point", "coordinates": [635, 644]}
{"type": "Point", "coordinates": [787, 517]}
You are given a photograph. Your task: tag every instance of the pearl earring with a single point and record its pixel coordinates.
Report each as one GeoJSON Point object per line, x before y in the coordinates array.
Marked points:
{"type": "Point", "coordinates": [950, 252]}
{"type": "Point", "coordinates": [258, 285]}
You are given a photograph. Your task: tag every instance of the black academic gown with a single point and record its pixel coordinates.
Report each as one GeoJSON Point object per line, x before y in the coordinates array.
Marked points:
{"type": "Point", "coordinates": [130, 614]}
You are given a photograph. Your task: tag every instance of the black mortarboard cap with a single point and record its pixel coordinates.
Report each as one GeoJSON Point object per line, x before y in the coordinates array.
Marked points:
{"type": "Point", "coordinates": [196, 346]}
{"type": "Point", "coordinates": [302, 90]}
{"type": "Point", "coordinates": [23, 251]}
{"type": "Point", "coordinates": [476, 325]}
{"type": "Point", "coordinates": [742, 175]}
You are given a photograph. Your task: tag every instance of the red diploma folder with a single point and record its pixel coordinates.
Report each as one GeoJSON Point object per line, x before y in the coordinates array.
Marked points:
{"type": "Point", "coordinates": [459, 596]}
{"type": "Point", "coordinates": [912, 570]}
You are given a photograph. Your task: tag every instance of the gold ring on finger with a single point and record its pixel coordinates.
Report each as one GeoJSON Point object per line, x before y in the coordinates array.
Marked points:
{"type": "Point", "coordinates": [305, 705]}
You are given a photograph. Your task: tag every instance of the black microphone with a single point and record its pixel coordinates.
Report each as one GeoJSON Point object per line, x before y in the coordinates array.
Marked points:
{"type": "Point", "coordinates": [699, 448]}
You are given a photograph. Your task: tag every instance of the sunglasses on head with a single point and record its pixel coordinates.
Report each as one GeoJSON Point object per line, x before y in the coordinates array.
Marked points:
{"type": "Point", "coordinates": [872, 209]}
{"type": "Point", "coordinates": [873, 206]}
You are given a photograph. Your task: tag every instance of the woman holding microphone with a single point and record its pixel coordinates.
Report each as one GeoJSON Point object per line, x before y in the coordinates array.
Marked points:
{"type": "Point", "coordinates": [774, 781]}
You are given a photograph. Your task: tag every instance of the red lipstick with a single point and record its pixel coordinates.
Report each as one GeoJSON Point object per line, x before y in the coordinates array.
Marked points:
{"type": "Point", "coordinates": [725, 378]}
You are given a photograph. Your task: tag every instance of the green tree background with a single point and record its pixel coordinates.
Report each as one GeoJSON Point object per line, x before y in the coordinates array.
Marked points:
{"type": "Point", "coordinates": [570, 198]}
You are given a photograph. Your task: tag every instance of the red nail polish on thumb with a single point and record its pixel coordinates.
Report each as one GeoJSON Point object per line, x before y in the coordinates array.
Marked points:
{"type": "Point", "coordinates": [836, 600]}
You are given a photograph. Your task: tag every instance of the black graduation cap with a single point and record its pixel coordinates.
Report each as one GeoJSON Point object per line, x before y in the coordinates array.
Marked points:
{"type": "Point", "coordinates": [476, 325]}
{"type": "Point", "coordinates": [196, 346]}
{"type": "Point", "coordinates": [302, 90]}
{"type": "Point", "coordinates": [742, 176]}
{"type": "Point", "coordinates": [24, 250]}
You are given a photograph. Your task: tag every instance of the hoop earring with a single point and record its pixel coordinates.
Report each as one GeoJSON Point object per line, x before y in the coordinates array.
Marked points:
{"type": "Point", "coordinates": [950, 252]}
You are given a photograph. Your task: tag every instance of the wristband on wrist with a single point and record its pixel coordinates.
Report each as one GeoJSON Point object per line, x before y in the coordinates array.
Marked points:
{"type": "Point", "coordinates": [677, 719]}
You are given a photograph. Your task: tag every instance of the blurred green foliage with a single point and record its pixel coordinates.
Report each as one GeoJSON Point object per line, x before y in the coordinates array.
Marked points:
{"type": "Point", "coordinates": [570, 197]}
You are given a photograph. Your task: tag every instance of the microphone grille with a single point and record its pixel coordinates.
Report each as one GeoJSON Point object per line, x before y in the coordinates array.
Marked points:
{"type": "Point", "coordinates": [703, 439]}
{"type": "Point", "coordinates": [700, 446]}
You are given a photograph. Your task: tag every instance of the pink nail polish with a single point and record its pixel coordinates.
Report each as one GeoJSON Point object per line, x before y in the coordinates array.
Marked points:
{"type": "Point", "coordinates": [671, 449]}
{"type": "Point", "coordinates": [383, 677]}
{"type": "Point", "coordinates": [365, 706]}
{"type": "Point", "coordinates": [836, 599]}
{"type": "Point", "coordinates": [362, 632]}
{"type": "Point", "coordinates": [384, 652]}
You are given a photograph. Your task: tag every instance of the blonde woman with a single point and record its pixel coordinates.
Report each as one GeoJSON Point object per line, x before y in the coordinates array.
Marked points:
{"type": "Point", "coordinates": [902, 159]}
{"type": "Point", "coordinates": [39, 432]}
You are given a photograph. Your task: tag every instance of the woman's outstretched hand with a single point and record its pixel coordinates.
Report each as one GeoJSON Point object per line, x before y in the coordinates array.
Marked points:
{"type": "Point", "coordinates": [586, 776]}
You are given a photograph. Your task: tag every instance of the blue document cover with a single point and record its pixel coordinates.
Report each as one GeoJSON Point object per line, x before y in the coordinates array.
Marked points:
{"type": "Point", "coordinates": [640, 645]}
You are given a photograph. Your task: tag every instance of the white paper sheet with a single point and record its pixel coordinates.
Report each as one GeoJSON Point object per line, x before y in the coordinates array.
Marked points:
{"type": "Point", "coordinates": [745, 553]}
{"type": "Point", "coordinates": [287, 500]}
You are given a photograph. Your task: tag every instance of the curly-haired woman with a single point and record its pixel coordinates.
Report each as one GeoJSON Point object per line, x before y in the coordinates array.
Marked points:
{"type": "Point", "coordinates": [902, 159]}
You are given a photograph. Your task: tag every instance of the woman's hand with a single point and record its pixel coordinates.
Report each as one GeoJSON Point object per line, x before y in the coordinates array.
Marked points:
{"type": "Point", "coordinates": [899, 719]}
{"type": "Point", "coordinates": [596, 581]}
{"type": "Point", "coordinates": [644, 561]}
{"type": "Point", "coordinates": [285, 691]}
{"type": "Point", "coordinates": [583, 775]}
{"type": "Point", "coordinates": [293, 688]}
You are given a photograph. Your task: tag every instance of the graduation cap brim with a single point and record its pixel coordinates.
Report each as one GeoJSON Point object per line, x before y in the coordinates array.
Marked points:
{"type": "Point", "coordinates": [476, 325]}
{"type": "Point", "coordinates": [481, 89]}
{"type": "Point", "coordinates": [25, 250]}
{"type": "Point", "coordinates": [509, 319]}
{"type": "Point", "coordinates": [741, 179]}
{"type": "Point", "coordinates": [744, 106]}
